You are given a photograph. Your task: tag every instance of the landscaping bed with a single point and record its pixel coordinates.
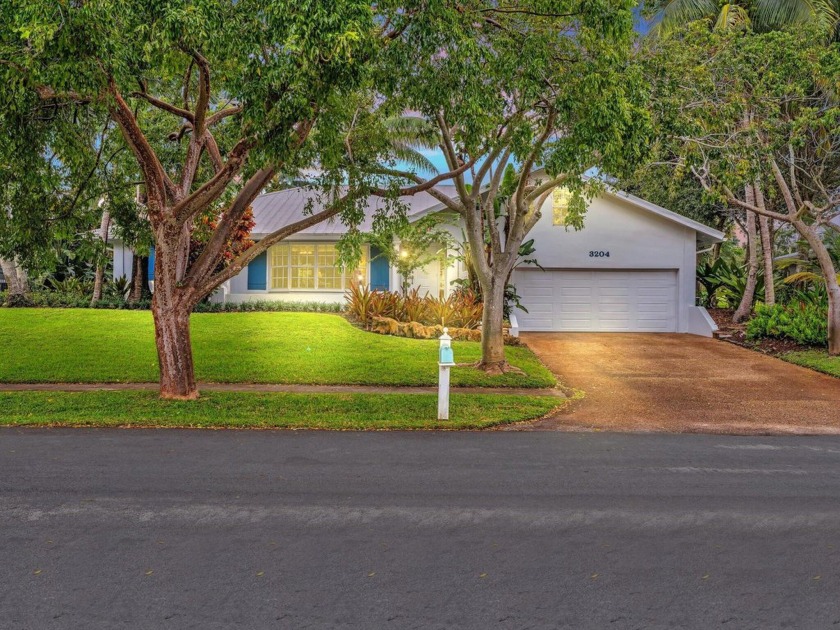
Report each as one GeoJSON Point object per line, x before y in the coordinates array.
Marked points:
{"type": "Point", "coordinates": [268, 410]}
{"type": "Point", "coordinates": [809, 356]}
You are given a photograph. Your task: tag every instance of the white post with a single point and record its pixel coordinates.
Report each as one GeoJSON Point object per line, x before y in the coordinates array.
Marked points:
{"type": "Point", "coordinates": [446, 360]}
{"type": "Point", "coordinates": [443, 392]}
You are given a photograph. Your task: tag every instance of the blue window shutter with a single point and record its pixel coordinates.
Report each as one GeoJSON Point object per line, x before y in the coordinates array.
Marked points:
{"type": "Point", "coordinates": [151, 267]}
{"type": "Point", "coordinates": [380, 270]}
{"type": "Point", "coordinates": [257, 272]}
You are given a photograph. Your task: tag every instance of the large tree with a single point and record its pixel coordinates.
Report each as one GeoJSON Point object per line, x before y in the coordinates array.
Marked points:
{"type": "Point", "coordinates": [545, 89]}
{"type": "Point", "coordinates": [785, 86]}
{"type": "Point", "coordinates": [213, 99]}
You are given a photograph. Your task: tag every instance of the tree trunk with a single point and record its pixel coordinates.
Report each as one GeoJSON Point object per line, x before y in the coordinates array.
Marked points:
{"type": "Point", "coordinates": [136, 279]}
{"type": "Point", "coordinates": [17, 283]}
{"type": "Point", "coordinates": [172, 336]}
{"type": "Point", "coordinates": [745, 307]}
{"type": "Point", "coordinates": [767, 257]}
{"type": "Point", "coordinates": [100, 267]}
{"type": "Point", "coordinates": [829, 272]}
{"type": "Point", "coordinates": [492, 324]}
{"type": "Point", "coordinates": [171, 308]}
{"type": "Point", "coordinates": [766, 248]}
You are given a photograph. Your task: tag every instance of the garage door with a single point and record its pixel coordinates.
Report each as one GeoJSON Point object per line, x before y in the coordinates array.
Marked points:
{"type": "Point", "coordinates": [600, 301]}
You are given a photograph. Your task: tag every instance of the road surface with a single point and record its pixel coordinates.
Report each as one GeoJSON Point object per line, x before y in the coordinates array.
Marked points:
{"type": "Point", "coordinates": [223, 529]}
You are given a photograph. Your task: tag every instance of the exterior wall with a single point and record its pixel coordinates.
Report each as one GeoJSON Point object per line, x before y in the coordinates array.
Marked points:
{"type": "Point", "coordinates": [633, 238]}
{"type": "Point", "coordinates": [123, 259]}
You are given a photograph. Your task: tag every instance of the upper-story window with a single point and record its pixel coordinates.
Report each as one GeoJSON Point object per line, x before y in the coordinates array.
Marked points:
{"type": "Point", "coordinates": [560, 199]}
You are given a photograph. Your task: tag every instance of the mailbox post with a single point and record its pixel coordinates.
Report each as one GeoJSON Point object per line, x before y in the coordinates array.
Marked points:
{"type": "Point", "coordinates": [446, 359]}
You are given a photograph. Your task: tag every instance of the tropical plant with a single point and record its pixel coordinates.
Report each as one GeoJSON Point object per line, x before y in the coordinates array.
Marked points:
{"type": "Point", "coordinates": [803, 323]}
{"type": "Point", "coordinates": [758, 15]}
{"type": "Point", "coordinates": [462, 309]}
{"type": "Point", "coordinates": [409, 246]}
{"type": "Point", "coordinates": [118, 288]}
{"type": "Point", "coordinates": [359, 297]}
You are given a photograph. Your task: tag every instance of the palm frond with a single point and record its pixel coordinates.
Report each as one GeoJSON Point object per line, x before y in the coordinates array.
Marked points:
{"type": "Point", "coordinates": [412, 157]}
{"type": "Point", "coordinates": [413, 130]}
{"type": "Point", "coordinates": [807, 277]}
{"type": "Point", "coordinates": [774, 14]}
{"type": "Point", "coordinates": [676, 13]}
{"type": "Point", "coordinates": [732, 17]}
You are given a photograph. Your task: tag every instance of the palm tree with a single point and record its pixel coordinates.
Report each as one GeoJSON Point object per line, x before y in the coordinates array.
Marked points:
{"type": "Point", "coordinates": [408, 136]}
{"type": "Point", "coordinates": [759, 15]}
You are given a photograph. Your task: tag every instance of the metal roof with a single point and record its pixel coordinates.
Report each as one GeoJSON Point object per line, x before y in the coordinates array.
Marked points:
{"type": "Point", "coordinates": [276, 210]}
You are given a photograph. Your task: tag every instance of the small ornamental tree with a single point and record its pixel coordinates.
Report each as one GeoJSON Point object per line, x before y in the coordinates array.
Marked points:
{"type": "Point", "coordinates": [411, 246]}
{"type": "Point", "coordinates": [213, 100]}
{"type": "Point", "coordinates": [786, 156]}
{"type": "Point", "coordinates": [546, 88]}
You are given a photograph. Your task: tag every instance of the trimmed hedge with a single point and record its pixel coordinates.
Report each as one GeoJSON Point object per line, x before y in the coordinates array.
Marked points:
{"type": "Point", "coordinates": [54, 299]}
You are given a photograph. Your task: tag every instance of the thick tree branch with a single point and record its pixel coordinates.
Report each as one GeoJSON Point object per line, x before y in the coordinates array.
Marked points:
{"type": "Point", "coordinates": [164, 106]}
{"type": "Point", "coordinates": [209, 257]}
{"type": "Point", "coordinates": [422, 184]}
{"type": "Point", "coordinates": [528, 164]}
{"type": "Point", "coordinates": [159, 188]}
{"type": "Point", "coordinates": [222, 114]}
{"type": "Point", "coordinates": [213, 188]}
{"type": "Point", "coordinates": [451, 157]}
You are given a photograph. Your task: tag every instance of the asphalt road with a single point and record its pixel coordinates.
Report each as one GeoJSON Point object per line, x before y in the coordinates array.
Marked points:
{"type": "Point", "coordinates": [190, 529]}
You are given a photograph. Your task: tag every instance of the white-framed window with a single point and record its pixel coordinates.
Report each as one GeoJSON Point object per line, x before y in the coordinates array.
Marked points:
{"type": "Point", "coordinates": [279, 269]}
{"type": "Point", "coordinates": [312, 267]}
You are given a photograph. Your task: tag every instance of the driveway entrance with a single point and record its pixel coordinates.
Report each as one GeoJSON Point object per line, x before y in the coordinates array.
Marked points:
{"type": "Point", "coordinates": [675, 382]}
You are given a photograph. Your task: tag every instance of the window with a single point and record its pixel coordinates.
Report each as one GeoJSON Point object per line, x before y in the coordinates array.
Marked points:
{"type": "Point", "coordinates": [359, 275]}
{"type": "Point", "coordinates": [312, 266]}
{"type": "Point", "coordinates": [280, 267]}
{"type": "Point", "coordinates": [560, 198]}
{"type": "Point", "coordinates": [329, 274]}
{"type": "Point", "coordinates": [303, 266]}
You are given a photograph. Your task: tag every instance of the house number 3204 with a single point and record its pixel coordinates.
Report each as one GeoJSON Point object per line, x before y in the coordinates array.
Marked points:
{"type": "Point", "coordinates": [599, 254]}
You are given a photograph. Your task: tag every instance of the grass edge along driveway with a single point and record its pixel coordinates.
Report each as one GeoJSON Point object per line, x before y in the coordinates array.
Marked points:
{"type": "Point", "coordinates": [816, 360]}
{"type": "Point", "coordinates": [102, 346]}
{"type": "Point", "coordinates": [268, 410]}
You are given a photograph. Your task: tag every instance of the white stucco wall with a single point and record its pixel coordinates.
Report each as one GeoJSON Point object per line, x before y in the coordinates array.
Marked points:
{"type": "Point", "coordinates": [634, 239]}
{"type": "Point", "coordinates": [123, 259]}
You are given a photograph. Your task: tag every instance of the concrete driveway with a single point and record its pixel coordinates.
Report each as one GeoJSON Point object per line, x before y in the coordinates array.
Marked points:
{"type": "Point", "coordinates": [672, 382]}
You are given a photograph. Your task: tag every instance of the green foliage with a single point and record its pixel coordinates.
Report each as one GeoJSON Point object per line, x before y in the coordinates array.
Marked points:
{"type": "Point", "coordinates": [803, 323]}
{"type": "Point", "coordinates": [724, 282]}
{"type": "Point", "coordinates": [760, 15]}
{"type": "Point", "coordinates": [462, 309]}
{"type": "Point", "coordinates": [409, 246]}
{"type": "Point", "coordinates": [112, 301]}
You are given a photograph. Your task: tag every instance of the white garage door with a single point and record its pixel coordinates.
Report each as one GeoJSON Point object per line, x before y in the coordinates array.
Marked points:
{"type": "Point", "coordinates": [601, 301]}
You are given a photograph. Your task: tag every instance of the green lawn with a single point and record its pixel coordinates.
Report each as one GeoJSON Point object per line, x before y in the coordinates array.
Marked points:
{"type": "Point", "coordinates": [272, 410]}
{"type": "Point", "coordinates": [87, 345]}
{"type": "Point", "coordinates": [816, 360]}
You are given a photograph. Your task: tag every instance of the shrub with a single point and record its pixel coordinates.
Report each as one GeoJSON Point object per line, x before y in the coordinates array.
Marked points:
{"type": "Point", "coordinates": [462, 309]}
{"type": "Point", "coordinates": [55, 299]}
{"type": "Point", "coordinates": [801, 322]}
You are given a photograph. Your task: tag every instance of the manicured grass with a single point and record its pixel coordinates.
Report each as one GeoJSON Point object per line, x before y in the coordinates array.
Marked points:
{"type": "Point", "coordinates": [816, 360]}
{"type": "Point", "coordinates": [88, 346]}
{"type": "Point", "coordinates": [272, 410]}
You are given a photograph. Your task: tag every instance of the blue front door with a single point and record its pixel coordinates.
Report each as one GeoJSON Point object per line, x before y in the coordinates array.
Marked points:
{"type": "Point", "coordinates": [380, 271]}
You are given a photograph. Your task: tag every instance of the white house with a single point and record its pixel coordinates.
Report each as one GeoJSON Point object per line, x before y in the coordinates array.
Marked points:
{"type": "Point", "coordinates": [631, 269]}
